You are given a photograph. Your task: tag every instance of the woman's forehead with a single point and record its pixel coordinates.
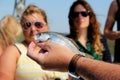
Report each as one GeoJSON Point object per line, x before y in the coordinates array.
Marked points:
{"type": "Point", "coordinates": [79, 7]}
{"type": "Point", "coordinates": [35, 16]}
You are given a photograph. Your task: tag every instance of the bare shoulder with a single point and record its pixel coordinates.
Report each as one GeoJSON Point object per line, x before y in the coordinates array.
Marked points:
{"type": "Point", "coordinates": [112, 9]}
{"type": "Point", "coordinates": [10, 52]}
{"type": "Point", "coordinates": [8, 63]}
{"type": "Point", "coordinates": [114, 5]}
{"type": "Point", "coordinates": [114, 2]}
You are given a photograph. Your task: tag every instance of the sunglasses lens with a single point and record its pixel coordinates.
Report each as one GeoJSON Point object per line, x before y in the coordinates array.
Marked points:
{"type": "Point", "coordinates": [83, 13]}
{"type": "Point", "coordinates": [75, 14]}
{"type": "Point", "coordinates": [28, 24]}
{"type": "Point", "coordinates": [38, 25]}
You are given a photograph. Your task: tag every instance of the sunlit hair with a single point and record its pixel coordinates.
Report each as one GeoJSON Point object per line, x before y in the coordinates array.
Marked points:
{"type": "Point", "coordinates": [93, 29]}
{"type": "Point", "coordinates": [31, 9]}
{"type": "Point", "coordinates": [10, 28]}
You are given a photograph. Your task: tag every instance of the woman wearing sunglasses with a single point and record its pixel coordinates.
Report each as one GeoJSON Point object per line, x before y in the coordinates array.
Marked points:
{"type": "Point", "coordinates": [85, 29]}
{"type": "Point", "coordinates": [14, 63]}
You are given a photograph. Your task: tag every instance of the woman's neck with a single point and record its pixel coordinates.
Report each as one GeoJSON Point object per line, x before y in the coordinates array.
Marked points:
{"type": "Point", "coordinates": [26, 43]}
{"type": "Point", "coordinates": [82, 37]}
{"type": "Point", "coordinates": [82, 34]}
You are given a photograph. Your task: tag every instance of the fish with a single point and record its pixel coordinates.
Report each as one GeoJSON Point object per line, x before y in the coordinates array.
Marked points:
{"type": "Point", "coordinates": [58, 38]}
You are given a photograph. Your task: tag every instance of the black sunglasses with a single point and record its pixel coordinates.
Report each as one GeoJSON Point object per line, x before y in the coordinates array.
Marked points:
{"type": "Point", "coordinates": [83, 13]}
{"type": "Point", "coordinates": [38, 25]}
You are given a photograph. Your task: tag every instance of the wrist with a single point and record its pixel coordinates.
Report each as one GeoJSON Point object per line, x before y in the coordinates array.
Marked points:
{"type": "Point", "coordinates": [73, 64]}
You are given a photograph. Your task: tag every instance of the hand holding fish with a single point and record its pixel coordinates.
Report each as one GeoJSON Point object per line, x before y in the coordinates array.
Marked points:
{"type": "Point", "coordinates": [53, 57]}
{"type": "Point", "coordinates": [57, 57]}
{"type": "Point", "coordinates": [56, 51]}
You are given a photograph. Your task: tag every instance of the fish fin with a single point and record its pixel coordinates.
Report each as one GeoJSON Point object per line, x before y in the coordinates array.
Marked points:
{"type": "Point", "coordinates": [74, 43]}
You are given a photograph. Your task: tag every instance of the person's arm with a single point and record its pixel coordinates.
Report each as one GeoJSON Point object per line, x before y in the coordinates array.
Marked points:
{"type": "Point", "coordinates": [97, 70]}
{"type": "Point", "coordinates": [56, 57]}
{"type": "Point", "coordinates": [109, 33]}
{"type": "Point", "coordinates": [8, 61]}
{"type": "Point", "coordinates": [1, 49]}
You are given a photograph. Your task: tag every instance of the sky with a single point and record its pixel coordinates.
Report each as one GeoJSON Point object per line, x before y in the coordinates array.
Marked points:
{"type": "Point", "coordinates": [57, 11]}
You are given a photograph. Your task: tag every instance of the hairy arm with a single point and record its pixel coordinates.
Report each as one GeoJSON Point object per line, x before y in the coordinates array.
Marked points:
{"type": "Point", "coordinates": [58, 58]}
{"type": "Point", "coordinates": [97, 70]}
{"type": "Point", "coordinates": [110, 22]}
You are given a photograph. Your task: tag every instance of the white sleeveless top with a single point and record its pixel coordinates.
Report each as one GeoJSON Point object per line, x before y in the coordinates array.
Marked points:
{"type": "Point", "coordinates": [27, 69]}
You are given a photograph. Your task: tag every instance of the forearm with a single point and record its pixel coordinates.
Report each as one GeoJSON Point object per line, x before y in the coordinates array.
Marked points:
{"type": "Point", "coordinates": [112, 35]}
{"type": "Point", "coordinates": [97, 70]}
{"type": "Point", "coordinates": [5, 74]}
{"type": "Point", "coordinates": [5, 77]}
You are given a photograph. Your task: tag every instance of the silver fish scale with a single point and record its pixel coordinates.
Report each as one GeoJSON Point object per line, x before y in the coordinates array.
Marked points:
{"type": "Point", "coordinates": [59, 39]}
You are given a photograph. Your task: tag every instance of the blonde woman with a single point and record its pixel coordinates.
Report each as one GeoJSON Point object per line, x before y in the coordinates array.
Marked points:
{"type": "Point", "coordinates": [14, 63]}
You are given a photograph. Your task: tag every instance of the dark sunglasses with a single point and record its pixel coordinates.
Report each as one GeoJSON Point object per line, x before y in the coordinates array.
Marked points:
{"type": "Point", "coordinates": [83, 13]}
{"type": "Point", "coordinates": [38, 25]}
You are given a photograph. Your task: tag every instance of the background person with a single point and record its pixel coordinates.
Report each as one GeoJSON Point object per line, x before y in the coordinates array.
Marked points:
{"type": "Point", "coordinates": [85, 31]}
{"type": "Point", "coordinates": [114, 15]}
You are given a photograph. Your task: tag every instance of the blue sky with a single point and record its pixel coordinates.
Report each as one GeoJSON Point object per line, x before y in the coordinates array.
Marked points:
{"type": "Point", "coordinates": [57, 11]}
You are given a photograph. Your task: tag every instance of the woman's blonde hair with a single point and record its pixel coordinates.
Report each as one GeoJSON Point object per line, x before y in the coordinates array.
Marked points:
{"type": "Point", "coordinates": [10, 28]}
{"type": "Point", "coordinates": [30, 10]}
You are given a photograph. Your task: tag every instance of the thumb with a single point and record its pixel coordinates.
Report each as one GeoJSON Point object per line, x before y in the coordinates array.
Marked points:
{"type": "Point", "coordinates": [32, 52]}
